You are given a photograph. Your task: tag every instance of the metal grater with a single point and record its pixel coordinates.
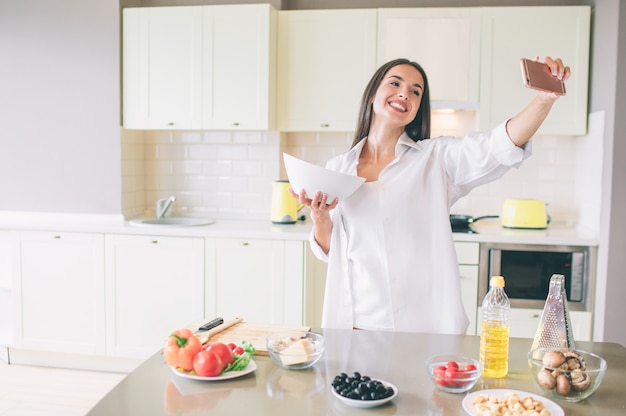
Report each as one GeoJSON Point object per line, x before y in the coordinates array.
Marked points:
{"type": "Point", "coordinates": [555, 330]}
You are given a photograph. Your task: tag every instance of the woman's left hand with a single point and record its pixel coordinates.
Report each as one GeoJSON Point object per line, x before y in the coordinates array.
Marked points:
{"type": "Point", "coordinates": [559, 70]}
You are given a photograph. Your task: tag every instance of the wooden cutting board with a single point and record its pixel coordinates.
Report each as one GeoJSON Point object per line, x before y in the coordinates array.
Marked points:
{"type": "Point", "coordinates": [254, 333]}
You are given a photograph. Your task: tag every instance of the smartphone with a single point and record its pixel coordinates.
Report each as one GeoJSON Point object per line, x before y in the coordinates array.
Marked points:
{"type": "Point", "coordinates": [537, 75]}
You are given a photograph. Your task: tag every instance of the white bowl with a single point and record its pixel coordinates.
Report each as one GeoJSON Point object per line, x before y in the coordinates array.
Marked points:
{"type": "Point", "coordinates": [313, 178]}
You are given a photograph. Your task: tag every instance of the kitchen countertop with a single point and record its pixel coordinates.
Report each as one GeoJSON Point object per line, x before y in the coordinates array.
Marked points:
{"type": "Point", "coordinates": [152, 389]}
{"type": "Point", "coordinates": [487, 230]}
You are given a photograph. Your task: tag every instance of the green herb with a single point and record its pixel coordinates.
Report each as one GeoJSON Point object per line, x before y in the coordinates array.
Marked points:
{"type": "Point", "coordinates": [241, 361]}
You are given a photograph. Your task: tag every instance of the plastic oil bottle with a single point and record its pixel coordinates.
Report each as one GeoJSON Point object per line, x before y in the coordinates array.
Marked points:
{"type": "Point", "coordinates": [494, 334]}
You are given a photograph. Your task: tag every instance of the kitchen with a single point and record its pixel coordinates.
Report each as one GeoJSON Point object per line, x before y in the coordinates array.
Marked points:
{"type": "Point", "coordinates": [78, 167]}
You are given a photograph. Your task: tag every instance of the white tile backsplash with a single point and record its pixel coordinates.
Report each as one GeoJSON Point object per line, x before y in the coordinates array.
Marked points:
{"type": "Point", "coordinates": [229, 174]}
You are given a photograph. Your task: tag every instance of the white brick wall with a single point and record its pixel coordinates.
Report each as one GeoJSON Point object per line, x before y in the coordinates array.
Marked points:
{"type": "Point", "coordinates": [229, 174]}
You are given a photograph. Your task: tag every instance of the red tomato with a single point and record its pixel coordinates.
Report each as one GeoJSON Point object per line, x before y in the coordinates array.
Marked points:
{"type": "Point", "coordinates": [469, 367]}
{"type": "Point", "coordinates": [225, 353]}
{"type": "Point", "coordinates": [440, 373]}
{"type": "Point", "coordinates": [451, 373]}
{"type": "Point", "coordinates": [231, 346]}
{"type": "Point", "coordinates": [452, 364]}
{"type": "Point", "coordinates": [180, 348]}
{"type": "Point", "coordinates": [207, 364]}
{"type": "Point", "coordinates": [238, 351]}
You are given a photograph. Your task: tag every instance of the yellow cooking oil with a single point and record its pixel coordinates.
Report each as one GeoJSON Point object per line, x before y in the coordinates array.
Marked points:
{"type": "Point", "coordinates": [494, 333]}
{"type": "Point", "coordinates": [494, 349]}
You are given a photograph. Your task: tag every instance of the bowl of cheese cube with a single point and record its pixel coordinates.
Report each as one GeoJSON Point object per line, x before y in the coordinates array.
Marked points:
{"type": "Point", "coordinates": [295, 350]}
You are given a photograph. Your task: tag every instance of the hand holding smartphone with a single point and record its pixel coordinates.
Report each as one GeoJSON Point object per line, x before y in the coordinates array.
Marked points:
{"type": "Point", "coordinates": [537, 75]}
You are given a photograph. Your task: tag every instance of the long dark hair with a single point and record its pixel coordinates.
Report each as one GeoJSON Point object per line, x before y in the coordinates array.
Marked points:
{"type": "Point", "coordinates": [418, 129]}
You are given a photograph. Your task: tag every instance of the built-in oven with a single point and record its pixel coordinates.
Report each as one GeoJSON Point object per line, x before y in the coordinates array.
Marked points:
{"type": "Point", "coordinates": [527, 269]}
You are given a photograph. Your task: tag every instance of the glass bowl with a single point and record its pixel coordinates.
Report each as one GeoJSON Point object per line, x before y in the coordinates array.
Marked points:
{"type": "Point", "coordinates": [570, 376]}
{"type": "Point", "coordinates": [446, 378]}
{"type": "Point", "coordinates": [295, 350]}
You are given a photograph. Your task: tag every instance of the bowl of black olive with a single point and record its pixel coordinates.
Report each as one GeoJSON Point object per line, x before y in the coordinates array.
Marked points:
{"type": "Point", "coordinates": [362, 391]}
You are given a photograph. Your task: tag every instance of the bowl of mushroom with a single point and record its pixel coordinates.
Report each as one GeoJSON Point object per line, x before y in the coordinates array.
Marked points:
{"type": "Point", "coordinates": [567, 375]}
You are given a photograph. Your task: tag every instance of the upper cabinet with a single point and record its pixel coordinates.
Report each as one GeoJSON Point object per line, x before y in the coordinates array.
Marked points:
{"type": "Point", "coordinates": [444, 41]}
{"type": "Point", "coordinates": [199, 67]}
{"type": "Point", "coordinates": [511, 33]}
{"type": "Point", "coordinates": [162, 52]}
{"type": "Point", "coordinates": [325, 60]}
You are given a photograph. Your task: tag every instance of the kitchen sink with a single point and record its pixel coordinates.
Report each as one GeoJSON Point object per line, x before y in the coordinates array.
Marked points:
{"type": "Point", "coordinates": [171, 222]}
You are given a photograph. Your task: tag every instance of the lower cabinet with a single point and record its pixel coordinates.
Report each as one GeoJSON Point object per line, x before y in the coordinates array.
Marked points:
{"type": "Point", "coordinates": [467, 257]}
{"type": "Point", "coordinates": [260, 280]}
{"type": "Point", "coordinates": [524, 323]}
{"type": "Point", "coordinates": [154, 284]}
{"type": "Point", "coordinates": [60, 292]}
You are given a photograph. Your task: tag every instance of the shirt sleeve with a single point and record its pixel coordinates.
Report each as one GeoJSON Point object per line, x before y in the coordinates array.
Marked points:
{"type": "Point", "coordinates": [481, 158]}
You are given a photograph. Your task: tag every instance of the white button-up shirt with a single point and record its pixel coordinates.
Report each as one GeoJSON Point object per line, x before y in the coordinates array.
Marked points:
{"type": "Point", "coordinates": [392, 263]}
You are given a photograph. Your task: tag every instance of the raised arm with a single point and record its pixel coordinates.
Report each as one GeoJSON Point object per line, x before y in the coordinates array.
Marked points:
{"type": "Point", "coordinates": [522, 126]}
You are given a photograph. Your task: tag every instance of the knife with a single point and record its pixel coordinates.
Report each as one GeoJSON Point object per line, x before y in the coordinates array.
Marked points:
{"type": "Point", "coordinates": [219, 328]}
{"type": "Point", "coordinates": [209, 325]}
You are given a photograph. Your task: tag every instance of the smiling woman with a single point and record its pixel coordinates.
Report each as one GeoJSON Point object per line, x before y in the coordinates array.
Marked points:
{"type": "Point", "coordinates": [388, 239]}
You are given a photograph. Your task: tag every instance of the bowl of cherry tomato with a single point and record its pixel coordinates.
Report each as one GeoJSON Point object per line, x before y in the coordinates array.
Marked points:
{"type": "Point", "coordinates": [453, 373]}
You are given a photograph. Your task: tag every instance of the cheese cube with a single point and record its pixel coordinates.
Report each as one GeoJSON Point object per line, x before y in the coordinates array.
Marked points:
{"type": "Point", "coordinates": [298, 352]}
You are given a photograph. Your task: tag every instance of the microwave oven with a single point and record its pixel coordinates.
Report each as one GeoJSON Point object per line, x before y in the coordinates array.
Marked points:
{"type": "Point", "coordinates": [527, 269]}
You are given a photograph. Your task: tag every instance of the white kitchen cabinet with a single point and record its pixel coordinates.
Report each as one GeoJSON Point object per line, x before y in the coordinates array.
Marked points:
{"type": "Point", "coordinates": [467, 258]}
{"type": "Point", "coordinates": [511, 33]}
{"type": "Point", "coordinates": [325, 60]}
{"type": "Point", "coordinates": [161, 59]}
{"type": "Point", "coordinates": [239, 67]}
{"type": "Point", "coordinates": [524, 323]}
{"type": "Point", "coordinates": [8, 257]}
{"type": "Point", "coordinates": [154, 285]}
{"type": "Point", "coordinates": [445, 41]}
{"type": "Point", "coordinates": [199, 67]}
{"type": "Point", "coordinates": [259, 280]}
{"type": "Point", "coordinates": [60, 292]}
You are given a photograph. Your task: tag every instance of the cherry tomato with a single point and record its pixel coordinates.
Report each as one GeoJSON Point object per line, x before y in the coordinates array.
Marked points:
{"type": "Point", "coordinates": [231, 346]}
{"type": "Point", "coordinates": [238, 351]}
{"type": "Point", "coordinates": [225, 353]}
{"type": "Point", "coordinates": [451, 373]}
{"type": "Point", "coordinates": [469, 367]}
{"type": "Point", "coordinates": [452, 364]}
{"type": "Point", "coordinates": [207, 364]}
{"type": "Point", "coordinates": [440, 373]}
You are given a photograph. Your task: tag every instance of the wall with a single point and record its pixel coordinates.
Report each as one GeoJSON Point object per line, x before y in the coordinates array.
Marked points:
{"type": "Point", "coordinates": [60, 106]}
{"type": "Point", "coordinates": [229, 175]}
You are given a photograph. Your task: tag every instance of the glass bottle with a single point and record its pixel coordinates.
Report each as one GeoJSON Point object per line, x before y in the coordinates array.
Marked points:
{"type": "Point", "coordinates": [494, 334]}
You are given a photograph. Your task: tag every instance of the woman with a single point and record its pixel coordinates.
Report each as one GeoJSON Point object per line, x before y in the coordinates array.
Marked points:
{"type": "Point", "coordinates": [389, 246]}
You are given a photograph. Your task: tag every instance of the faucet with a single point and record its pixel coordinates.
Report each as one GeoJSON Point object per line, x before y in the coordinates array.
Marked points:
{"type": "Point", "coordinates": [163, 205]}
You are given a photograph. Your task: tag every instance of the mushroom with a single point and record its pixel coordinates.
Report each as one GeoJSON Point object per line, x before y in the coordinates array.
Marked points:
{"type": "Point", "coordinates": [563, 386]}
{"type": "Point", "coordinates": [553, 359]}
{"type": "Point", "coordinates": [574, 360]}
{"type": "Point", "coordinates": [580, 380]}
{"type": "Point", "coordinates": [546, 379]}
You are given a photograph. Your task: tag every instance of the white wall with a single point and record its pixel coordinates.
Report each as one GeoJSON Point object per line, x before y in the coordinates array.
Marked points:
{"type": "Point", "coordinates": [60, 106]}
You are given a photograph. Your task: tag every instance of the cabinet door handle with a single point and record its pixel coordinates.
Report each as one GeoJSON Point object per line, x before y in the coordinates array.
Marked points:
{"type": "Point", "coordinates": [155, 241]}
{"type": "Point", "coordinates": [245, 243]}
{"type": "Point", "coordinates": [324, 125]}
{"type": "Point", "coordinates": [534, 315]}
{"type": "Point", "coordinates": [235, 124]}
{"type": "Point", "coordinates": [170, 123]}
{"type": "Point", "coordinates": [56, 237]}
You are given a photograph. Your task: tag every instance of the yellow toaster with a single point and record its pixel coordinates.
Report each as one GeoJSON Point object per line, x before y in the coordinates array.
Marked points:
{"type": "Point", "coordinates": [524, 213]}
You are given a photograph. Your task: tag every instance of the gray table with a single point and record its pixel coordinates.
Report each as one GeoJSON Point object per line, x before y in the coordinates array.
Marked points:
{"type": "Point", "coordinates": [153, 390]}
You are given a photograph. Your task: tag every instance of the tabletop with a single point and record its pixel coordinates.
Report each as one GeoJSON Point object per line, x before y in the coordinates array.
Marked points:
{"type": "Point", "coordinates": [153, 389]}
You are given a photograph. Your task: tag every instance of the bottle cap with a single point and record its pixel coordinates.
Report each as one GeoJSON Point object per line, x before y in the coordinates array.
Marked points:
{"type": "Point", "coordinates": [496, 281]}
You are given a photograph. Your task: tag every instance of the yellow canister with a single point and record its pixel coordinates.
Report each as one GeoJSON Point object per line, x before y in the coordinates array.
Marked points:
{"type": "Point", "coordinates": [284, 206]}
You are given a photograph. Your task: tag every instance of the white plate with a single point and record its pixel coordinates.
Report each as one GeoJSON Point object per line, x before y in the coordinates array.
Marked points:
{"type": "Point", "coordinates": [552, 407]}
{"type": "Point", "coordinates": [367, 403]}
{"type": "Point", "coordinates": [226, 376]}
{"type": "Point", "coordinates": [313, 178]}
